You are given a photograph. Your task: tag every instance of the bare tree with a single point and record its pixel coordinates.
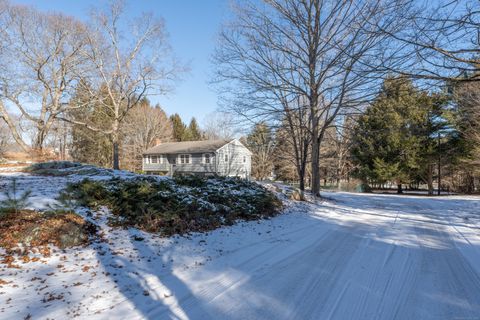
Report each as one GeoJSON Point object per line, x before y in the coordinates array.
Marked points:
{"type": "Point", "coordinates": [467, 98]}
{"type": "Point", "coordinates": [293, 145]}
{"type": "Point", "coordinates": [128, 69]}
{"type": "Point", "coordinates": [144, 127]}
{"type": "Point", "coordinates": [329, 53]}
{"type": "Point", "coordinates": [443, 42]}
{"type": "Point", "coordinates": [220, 125]}
{"type": "Point", "coordinates": [41, 61]}
{"type": "Point", "coordinates": [261, 143]}
{"type": "Point", "coordinates": [4, 137]}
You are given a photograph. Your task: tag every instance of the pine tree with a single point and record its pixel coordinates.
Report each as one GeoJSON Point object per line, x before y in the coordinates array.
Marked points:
{"type": "Point", "coordinates": [394, 140]}
{"type": "Point", "coordinates": [193, 132]}
{"type": "Point", "coordinates": [13, 201]}
{"type": "Point", "coordinates": [179, 128]}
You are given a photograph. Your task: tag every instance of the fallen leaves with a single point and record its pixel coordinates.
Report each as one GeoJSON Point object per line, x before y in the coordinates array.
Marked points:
{"type": "Point", "coordinates": [30, 229]}
{"type": "Point", "coordinates": [9, 260]}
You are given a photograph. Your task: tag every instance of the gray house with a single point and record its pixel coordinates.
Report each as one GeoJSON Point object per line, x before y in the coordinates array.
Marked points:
{"type": "Point", "coordinates": [216, 157]}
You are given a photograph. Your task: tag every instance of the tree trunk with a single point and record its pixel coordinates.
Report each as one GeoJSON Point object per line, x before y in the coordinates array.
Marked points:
{"type": "Point", "coordinates": [301, 176]}
{"type": "Point", "coordinates": [315, 165]}
{"type": "Point", "coordinates": [430, 179]}
{"type": "Point", "coordinates": [116, 162]}
{"type": "Point", "coordinates": [13, 129]}
{"type": "Point", "coordinates": [39, 141]}
{"type": "Point", "coordinates": [302, 188]}
{"type": "Point", "coordinates": [399, 188]}
{"type": "Point", "coordinates": [439, 175]}
{"type": "Point", "coordinates": [115, 144]}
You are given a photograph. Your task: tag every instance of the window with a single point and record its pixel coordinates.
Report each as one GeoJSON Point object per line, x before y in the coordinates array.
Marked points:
{"type": "Point", "coordinates": [184, 158]}
{"type": "Point", "coordinates": [244, 159]}
{"type": "Point", "coordinates": [207, 158]}
{"type": "Point", "coordinates": [154, 159]}
{"type": "Point", "coordinates": [226, 157]}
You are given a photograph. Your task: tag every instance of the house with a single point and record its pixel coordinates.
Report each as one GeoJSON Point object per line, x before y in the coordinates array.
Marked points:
{"type": "Point", "coordinates": [215, 157]}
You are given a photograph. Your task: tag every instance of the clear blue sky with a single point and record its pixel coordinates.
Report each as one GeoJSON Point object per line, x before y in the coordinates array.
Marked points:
{"type": "Point", "coordinates": [192, 26]}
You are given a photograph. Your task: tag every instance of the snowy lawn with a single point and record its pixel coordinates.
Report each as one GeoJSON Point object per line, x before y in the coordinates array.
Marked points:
{"type": "Point", "coordinates": [351, 257]}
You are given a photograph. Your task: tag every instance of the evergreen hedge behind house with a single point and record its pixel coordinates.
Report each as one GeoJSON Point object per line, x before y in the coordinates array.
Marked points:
{"type": "Point", "coordinates": [176, 206]}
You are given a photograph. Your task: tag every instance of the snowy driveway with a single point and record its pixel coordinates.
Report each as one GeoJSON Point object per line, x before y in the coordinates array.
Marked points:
{"type": "Point", "coordinates": [365, 257]}
{"type": "Point", "coordinates": [354, 257]}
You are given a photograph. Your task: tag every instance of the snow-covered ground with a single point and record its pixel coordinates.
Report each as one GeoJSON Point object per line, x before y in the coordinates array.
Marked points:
{"type": "Point", "coordinates": [351, 257]}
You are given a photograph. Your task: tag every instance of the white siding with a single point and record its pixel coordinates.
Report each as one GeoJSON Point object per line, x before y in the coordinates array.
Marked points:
{"type": "Point", "coordinates": [235, 166]}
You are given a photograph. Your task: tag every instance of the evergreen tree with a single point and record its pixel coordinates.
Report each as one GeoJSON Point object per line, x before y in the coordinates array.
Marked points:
{"type": "Point", "coordinates": [179, 128]}
{"type": "Point", "coordinates": [396, 139]}
{"type": "Point", "coordinates": [193, 132]}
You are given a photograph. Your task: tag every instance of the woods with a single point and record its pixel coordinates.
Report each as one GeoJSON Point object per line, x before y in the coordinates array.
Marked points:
{"type": "Point", "coordinates": [356, 89]}
{"type": "Point", "coordinates": [337, 94]}
{"type": "Point", "coordinates": [56, 69]}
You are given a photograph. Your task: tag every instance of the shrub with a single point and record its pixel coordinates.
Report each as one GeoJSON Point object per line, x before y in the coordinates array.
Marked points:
{"type": "Point", "coordinates": [53, 165]}
{"type": "Point", "coordinates": [65, 168]}
{"type": "Point", "coordinates": [14, 202]}
{"type": "Point", "coordinates": [178, 205]}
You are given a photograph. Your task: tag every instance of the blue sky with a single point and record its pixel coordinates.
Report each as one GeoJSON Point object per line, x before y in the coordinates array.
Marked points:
{"type": "Point", "coordinates": [192, 26]}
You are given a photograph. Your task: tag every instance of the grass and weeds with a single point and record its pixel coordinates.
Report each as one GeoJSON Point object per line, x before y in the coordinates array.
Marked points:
{"type": "Point", "coordinates": [176, 206]}
{"type": "Point", "coordinates": [29, 229]}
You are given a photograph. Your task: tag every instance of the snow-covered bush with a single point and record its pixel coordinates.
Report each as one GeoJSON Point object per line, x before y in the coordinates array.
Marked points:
{"type": "Point", "coordinates": [52, 168]}
{"type": "Point", "coordinates": [177, 205]}
{"type": "Point", "coordinates": [53, 165]}
{"type": "Point", "coordinates": [66, 168]}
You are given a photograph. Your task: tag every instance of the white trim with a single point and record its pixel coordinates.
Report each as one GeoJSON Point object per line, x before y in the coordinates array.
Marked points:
{"type": "Point", "coordinates": [184, 154]}
{"type": "Point", "coordinates": [204, 158]}
{"type": "Point", "coordinates": [233, 141]}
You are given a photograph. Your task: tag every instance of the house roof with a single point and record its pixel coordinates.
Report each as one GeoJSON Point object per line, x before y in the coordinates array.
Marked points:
{"type": "Point", "coordinates": [187, 147]}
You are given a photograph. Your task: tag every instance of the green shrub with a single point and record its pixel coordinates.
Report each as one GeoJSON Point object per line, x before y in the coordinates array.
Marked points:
{"type": "Point", "coordinates": [178, 205]}
{"type": "Point", "coordinates": [14, 201]}
{"type": "Point", "coordinates": [88, 193]}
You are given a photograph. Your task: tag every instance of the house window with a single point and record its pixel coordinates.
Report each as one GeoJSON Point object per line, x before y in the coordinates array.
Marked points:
{"type": "Point", "coordinates": [226, 157]}
{"type": "Point", "coordinates": [244, 159]}
{"type": "Point", "coordinates": [153, 159]}
{"type": "Point", "coordinates": [184, 158]}
{"type": "Point", "coordinates": [207, 158]}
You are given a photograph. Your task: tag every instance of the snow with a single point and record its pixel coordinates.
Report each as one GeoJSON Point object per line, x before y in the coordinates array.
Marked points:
{"type": "Point", "coordinates": [353, 256]}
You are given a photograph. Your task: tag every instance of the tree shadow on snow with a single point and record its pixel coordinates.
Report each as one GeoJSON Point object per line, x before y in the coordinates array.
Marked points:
{"type": "Point", "coordinates": [302, 271]}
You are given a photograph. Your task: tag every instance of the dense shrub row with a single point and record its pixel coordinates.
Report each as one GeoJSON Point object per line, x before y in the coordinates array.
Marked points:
{"type": "Point", "coordinates": [177, 205]}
